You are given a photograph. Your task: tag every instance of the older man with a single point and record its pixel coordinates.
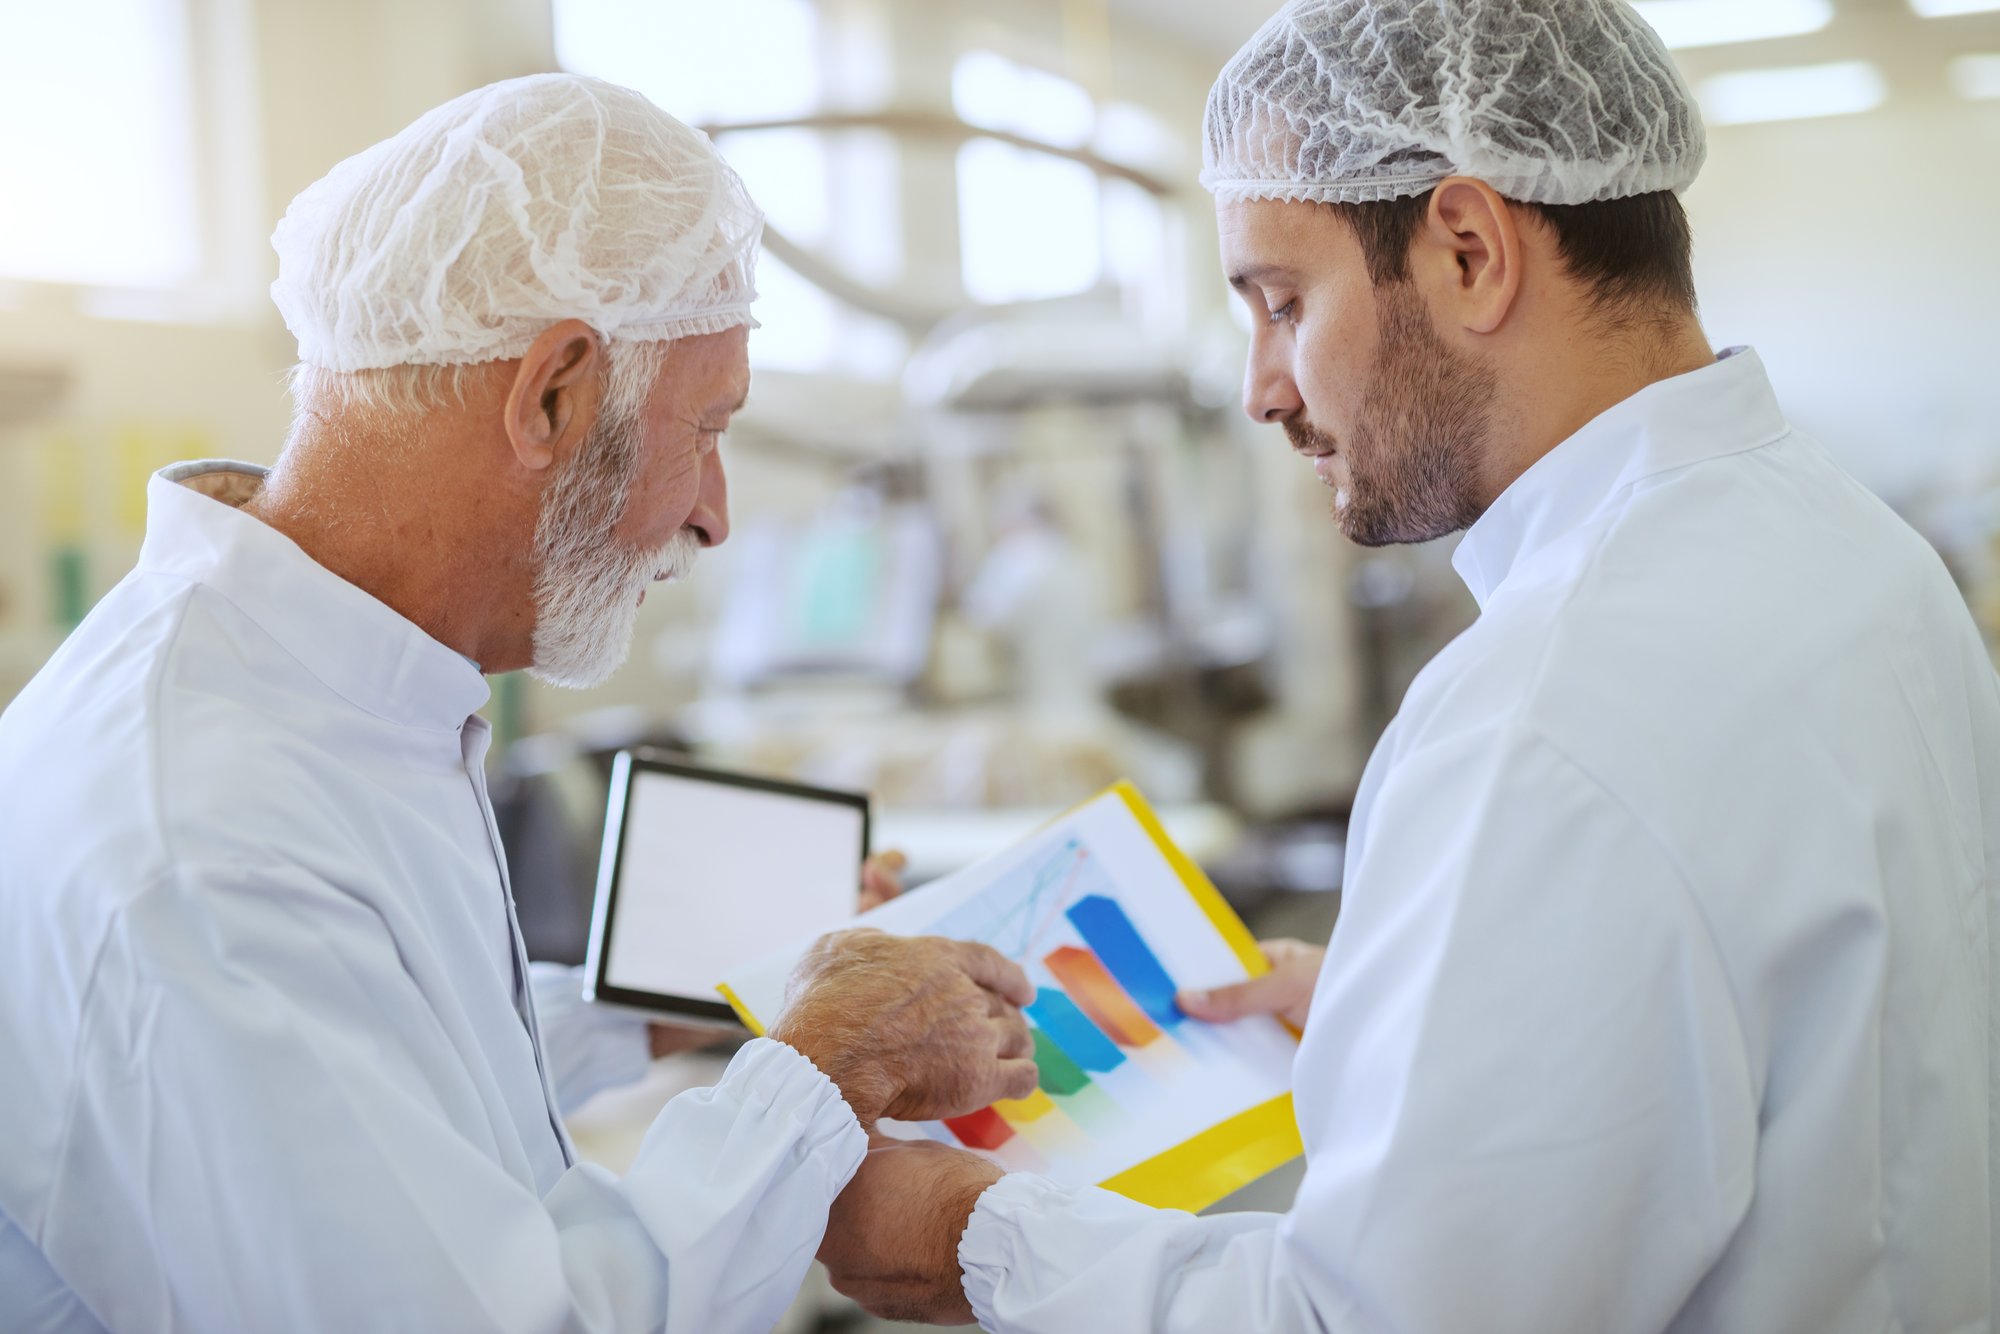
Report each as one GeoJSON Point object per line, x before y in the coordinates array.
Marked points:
{"type": "Point", "coordinates": [271, 1048]}
{"type": "Point", "coordinates": [1662, 995]}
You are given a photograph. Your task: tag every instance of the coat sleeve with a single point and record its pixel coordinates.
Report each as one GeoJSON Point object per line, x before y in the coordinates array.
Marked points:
{"type": "Point", "coordinates": [265, 1132]}
{"type": "Point", "coordinates": [589, 1048]}
{"type": "Point", "coordinates": [1524, 1093]}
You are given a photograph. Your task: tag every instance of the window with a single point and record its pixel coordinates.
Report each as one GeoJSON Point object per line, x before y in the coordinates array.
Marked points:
{"type": "Point", "coordinates": [692, 59]}
{"type": "Point", "coordinates": [98, 165]}
{"type": "Point", "coordinates": [1034, 225]}
{"type": "Point", "coordinates": [1027, 223]}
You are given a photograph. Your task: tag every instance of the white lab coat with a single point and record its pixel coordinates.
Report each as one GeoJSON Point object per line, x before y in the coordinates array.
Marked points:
{"type": "Point", "coordinates": [1661, 996]}
{"type": "Point", "coordinates": [270, 1057]}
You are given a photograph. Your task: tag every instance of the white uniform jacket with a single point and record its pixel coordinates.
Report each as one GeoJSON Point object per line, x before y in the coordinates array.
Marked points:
{"type": "Point", "coordinates": [268, 1053]}
{"type": "Point", "coordinates": [1662, 992]}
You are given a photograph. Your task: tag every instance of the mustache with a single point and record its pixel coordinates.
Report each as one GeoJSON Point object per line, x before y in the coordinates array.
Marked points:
{"type": "Point", "coordinates": [1307, 438]}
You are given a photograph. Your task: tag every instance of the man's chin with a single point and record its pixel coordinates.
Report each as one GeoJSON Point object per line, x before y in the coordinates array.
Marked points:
{"type": "Point", "coordinates": [582, 661]}
{"type": "Point", "coordinates": [581, 676]}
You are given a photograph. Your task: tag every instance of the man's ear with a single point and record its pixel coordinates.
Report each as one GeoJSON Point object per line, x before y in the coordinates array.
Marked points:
{"type": "Point", "coordinates": [1474, 244]}
{"type": "Point", "coordinates": [554, 398]}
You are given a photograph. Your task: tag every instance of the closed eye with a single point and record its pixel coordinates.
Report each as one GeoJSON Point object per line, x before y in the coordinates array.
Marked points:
{"type": "Point", "coordinates": [1284, 312]}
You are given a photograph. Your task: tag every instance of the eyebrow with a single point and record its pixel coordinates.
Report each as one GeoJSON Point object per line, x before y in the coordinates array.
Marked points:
{"type": "Point", "coordinates": [1253, 273]}
{"type": "Point", "coordinates": [737, 406]}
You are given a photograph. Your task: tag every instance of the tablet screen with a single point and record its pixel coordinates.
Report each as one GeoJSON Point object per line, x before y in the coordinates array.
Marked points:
{"type": "Point", "coordinates": [705, 870]}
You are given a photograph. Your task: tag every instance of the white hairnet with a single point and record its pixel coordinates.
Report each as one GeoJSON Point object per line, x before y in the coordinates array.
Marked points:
{"type": "Point", "coordinates": [1547, 101]}
{"type": "Point", "coordinates": [503, 211]}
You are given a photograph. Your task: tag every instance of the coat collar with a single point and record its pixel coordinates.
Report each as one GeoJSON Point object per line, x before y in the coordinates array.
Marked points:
{"type": "Point", "coordinates": [362, 649]}
{"type": "Point", "coordinates": [1724, 408]}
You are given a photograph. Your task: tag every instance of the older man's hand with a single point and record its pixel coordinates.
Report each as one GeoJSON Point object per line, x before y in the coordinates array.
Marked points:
{"type": "Point", "coordinates": [892, 1238]}
{"type": "Point", "coordinates": [911, 1027]}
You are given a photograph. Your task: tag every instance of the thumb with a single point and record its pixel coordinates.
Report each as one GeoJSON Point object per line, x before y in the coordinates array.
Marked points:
{"type": "Point", "coordinates": [1266, 994]}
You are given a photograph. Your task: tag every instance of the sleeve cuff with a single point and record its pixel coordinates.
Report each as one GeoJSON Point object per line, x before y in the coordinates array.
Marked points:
{"type": "Point", "coordinates": [768, 1075]}
{"type": "Point", "coordinates": [1000, 1263]}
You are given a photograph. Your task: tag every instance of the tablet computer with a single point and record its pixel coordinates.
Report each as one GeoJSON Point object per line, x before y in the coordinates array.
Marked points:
{"type": "Point", "coordinates": [705, 870]}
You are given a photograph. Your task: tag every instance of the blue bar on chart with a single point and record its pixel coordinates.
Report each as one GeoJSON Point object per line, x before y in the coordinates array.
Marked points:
{"type": "Point", "coordinates": [1118, 944]}
{"type": "Point", "coordinates": [1070, 1028]}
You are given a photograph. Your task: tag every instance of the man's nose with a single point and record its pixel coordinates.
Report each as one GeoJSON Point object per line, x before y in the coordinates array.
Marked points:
{"type": "Point", "coordinates": [710, 519]}
{"type": "Point", "coordinates": [1269, 392]}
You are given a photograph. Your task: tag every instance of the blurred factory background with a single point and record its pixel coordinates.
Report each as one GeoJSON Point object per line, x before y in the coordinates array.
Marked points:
{"type": "Point", "coordinates": [1002, 534]}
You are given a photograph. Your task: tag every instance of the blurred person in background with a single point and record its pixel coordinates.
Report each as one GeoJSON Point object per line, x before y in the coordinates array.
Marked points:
{"type": "Point", "coordinates": [1661, 996]}
{"type": "Point", "coordinates": [275, 1057]}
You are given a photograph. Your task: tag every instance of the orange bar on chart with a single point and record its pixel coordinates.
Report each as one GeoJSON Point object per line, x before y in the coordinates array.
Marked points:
{"type": "Point", "coordinates": [982, 1129]}
{"type": "Point", "coordinates": [1025, 1111]}
{"type": "Point", "coordinates": [1098, 995]}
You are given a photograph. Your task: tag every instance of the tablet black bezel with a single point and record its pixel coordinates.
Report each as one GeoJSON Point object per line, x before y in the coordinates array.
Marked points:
{"type": "Point", "coordinates": [605, 902]}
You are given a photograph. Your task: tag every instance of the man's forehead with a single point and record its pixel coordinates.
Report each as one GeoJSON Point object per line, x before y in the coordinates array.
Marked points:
{"type": "Point", "coordinates": [1262, 235]}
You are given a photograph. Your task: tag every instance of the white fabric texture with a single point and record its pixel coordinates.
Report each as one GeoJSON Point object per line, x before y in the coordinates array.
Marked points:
{"type": "Point", "coordinates": [1661, 993]}
{"type": "Point", "coordinates": [271, 1053]}
{"type": "Point", "coordinates": [588, 1048]}
{"type": "Point", "coordinates": [501, 212]}
{"type": "Point", "coordinates": [1357, 101]}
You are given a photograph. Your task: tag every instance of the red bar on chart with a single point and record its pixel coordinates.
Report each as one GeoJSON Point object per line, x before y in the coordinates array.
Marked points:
{"type": "Point", "coordinates": [1098, 995]}
{"type": "Point", "coordinates": [983, 1129]}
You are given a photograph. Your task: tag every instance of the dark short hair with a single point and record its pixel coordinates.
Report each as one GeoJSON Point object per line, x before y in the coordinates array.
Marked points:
{"type": "Point", "coordinates": [1634, 252]}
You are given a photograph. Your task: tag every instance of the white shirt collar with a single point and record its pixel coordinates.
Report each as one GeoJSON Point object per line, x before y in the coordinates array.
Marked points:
{"type": "Point", "coordinates": [1723, 408]}
{"type": "Point", "coordinates": [362, 649]}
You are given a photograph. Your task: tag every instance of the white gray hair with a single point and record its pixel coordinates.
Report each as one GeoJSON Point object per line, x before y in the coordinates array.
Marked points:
{"type": "Point", "coordinates": [632, 366]}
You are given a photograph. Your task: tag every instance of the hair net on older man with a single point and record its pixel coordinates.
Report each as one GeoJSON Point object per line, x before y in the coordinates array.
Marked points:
{"type": "Point", "coordinates": [1547, 101]}
{"type": "Point", "coordinates": [503, 211]}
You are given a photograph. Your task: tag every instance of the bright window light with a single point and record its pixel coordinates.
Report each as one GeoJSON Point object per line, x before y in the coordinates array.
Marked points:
{"type": "Point", "coordinates": [1976, 77]}
{"type": "Point", "coordinates": [993, 92]}
{"type": "Point", "coordinates": [98, 165]}
{"type": "Point", "coordinates": [1938, 9]}
{"type": "Point", "coordinates": [786, 172]}
{"type": "Point", "coordinates": [1027, 222]}
{"type": "Point", "coordinates": [691, 56]}
{"type": "Point", "coordinates": [1800, 92]}
{"type": "Point", "coordinates": [1135, 137]}
{"type": "Point", "coordinates": [1683, 23]}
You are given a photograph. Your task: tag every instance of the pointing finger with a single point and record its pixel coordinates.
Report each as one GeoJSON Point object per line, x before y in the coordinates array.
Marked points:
{"type": "Point", "coordinates": [1015, 1040]}
{"type": "Point", "coordinates": [994, 971]}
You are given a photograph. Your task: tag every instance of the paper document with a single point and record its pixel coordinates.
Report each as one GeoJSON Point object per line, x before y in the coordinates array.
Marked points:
{"type": "Point", "coordinates": [1109, 919]}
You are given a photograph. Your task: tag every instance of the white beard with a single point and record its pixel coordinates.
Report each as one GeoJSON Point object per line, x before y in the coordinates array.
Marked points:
{"type": "Point", "coordinates": [587, 586]}
{"type": "Point", "coordinates": [588, 603]}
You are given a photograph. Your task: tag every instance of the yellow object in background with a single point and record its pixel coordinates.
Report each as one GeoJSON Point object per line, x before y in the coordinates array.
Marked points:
{"type": "Point", "coordinates": [139, 451]}
{"type": "Point", "coordinates": [60, 459]}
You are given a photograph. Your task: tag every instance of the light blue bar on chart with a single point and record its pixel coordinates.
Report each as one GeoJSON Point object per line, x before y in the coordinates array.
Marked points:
{"type": "Point", "coordinates": [1125, 954]}
{"type": "Point", "coordinates": [1070, 1028]}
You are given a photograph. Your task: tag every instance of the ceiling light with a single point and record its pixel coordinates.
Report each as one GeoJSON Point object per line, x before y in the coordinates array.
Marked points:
{"type": "Point", "coordinates": [1795, 93]}
{"type": "Point", "coordinates": [1976, 77]}
{"type": "Point", "coordinates": [1938, 9]}
{"type": "Point", "coordinates": [1713, 22]}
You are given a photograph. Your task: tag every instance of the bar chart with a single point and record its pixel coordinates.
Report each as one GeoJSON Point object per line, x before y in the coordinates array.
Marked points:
{"type": "Point", "coordinates": [1103, 995]}
{"type": "Point", "coordinates": [1108, 920]}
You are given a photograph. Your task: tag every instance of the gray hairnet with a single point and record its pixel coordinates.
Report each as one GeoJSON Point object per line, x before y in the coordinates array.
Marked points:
{"type": "Point", "coordinates": [1547, 101]}
{"type": "Point", "coordinates": [526, 202]}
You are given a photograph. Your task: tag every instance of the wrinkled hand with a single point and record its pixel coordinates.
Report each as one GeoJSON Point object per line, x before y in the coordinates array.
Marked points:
{"type": "Point", "coordinates": [881, 880]}
{"type": "Point", "coordinates": [892, 1238]}
{"type": "Point", "coordinates": [914, 1027]}
{"type": "Point", "coordinates": [1286, 991]}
